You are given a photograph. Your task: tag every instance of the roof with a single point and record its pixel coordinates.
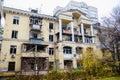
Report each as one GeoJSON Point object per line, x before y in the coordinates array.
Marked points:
{"type": "Point", "coordinates": [27, 13]}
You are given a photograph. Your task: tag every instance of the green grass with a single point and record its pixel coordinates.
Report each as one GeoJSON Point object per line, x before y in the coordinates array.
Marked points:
{"type": "Point", "coordinates": [114, 78]}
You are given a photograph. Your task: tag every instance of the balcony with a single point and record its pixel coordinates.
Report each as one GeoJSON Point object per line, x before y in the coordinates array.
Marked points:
{"type": "Point", "coordinates": [34, 50]}
{"type": "Point", "coordinates": [67, 38]}
{"type": "Point", "coordinates": [68, 56]}
{"type": "Point", "coordinates": [36, 41]}
{"type": "Point", "coordinates": [87, 33]}
{"type": "Point", "coordinates": [35, 23]}
{"type": "Point", "coordinates": [35, 54]}
{"type": "Point", "coordinates": [67, 31]}
{"type": "Point", "coordinates": [35, 27]}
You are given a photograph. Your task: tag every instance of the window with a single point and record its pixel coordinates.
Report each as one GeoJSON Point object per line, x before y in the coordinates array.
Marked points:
{"type": "Point", "coordinates": [51, 51]}
{"type": "Point", "coordinates": [14, 34]}
{"type": "Point", "coordinates": [50, 25]}
{"type": "Point", "coordinates": [79, 50]}
{"type": "Point", "coordinates": [76, 39]}
{"type": "Point", "coordinates": [11, 66]}
{"type": "Point", "coordinates": [35, 35]}
{"type": "Point", "coordinates": [51, 38]}
{"type": "Point", "coordinates": [85, 31]}
{"type": "Point", "coordinates": [16, 20]}
{"type": "Point", "coordinates": [13, 49]}
{"type": "Point", "coordinates": [67, 50]}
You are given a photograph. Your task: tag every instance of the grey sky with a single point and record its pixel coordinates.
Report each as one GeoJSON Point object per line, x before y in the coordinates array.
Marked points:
{"type": "Point", "coordinates": [47, 6]}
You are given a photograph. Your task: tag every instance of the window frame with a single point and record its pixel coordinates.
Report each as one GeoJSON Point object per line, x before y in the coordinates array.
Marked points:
{"type": "Point", "coordinates": [16, 20]}
{"type": "Point", "coordinates": [51, 51]}
{"type": "Point", "coordinates": [13, 49]}
{"type": "Point", "coordinates": [51, 38]}
{"type": "Point", "coordinates": [51, 26]}
{"type": "Point", "coordinates": [14, 34]}
{"type": "Point", "coordinates": [67, 50]}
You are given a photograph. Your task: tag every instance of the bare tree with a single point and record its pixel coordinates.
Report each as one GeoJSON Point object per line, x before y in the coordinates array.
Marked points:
{"type": "Point", "coordinates": [109, 34]}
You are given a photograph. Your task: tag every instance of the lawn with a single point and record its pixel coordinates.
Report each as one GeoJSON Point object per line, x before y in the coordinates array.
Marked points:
{"type": "Point", "coordinates": [114, 78]}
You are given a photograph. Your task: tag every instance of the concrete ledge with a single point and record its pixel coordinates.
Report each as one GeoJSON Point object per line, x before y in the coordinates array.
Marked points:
{"type": "Point", "coordinates": [4, 74]}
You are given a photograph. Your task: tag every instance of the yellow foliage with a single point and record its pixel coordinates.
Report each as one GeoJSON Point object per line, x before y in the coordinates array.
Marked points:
{"type": "Point", "coordinates": [92, 61]}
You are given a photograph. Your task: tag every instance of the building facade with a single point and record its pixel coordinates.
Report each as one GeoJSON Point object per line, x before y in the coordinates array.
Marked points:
{"type": "Point", "coordinates": [33, 41]}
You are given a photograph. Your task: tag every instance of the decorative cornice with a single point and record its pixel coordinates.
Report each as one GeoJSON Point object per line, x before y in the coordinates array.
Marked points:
{"type": "Point", "coordinates": [27, 13]}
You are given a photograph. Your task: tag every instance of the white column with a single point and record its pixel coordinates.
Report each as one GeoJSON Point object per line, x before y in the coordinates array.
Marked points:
{"type": "Point", "coordinates": [72, 30]}
{"type": "Point", "coordinates": [91, 29]}
{"type": "Point", "coordinates": [60, 30]}
{"type": "Point", "coordinates": [2, 21]}
{"type": "Point", "coordinates": [82, 32]}
{"type": "Point", "coordinates": [74, 58]}
{"type": "Point", "coordinates": [61, 57]}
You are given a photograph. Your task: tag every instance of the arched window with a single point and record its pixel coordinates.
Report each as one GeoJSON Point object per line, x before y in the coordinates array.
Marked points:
{"type": "Point", "coordinates": [67, 50]}
{"type": "Point", "coordinates": [79, 50]}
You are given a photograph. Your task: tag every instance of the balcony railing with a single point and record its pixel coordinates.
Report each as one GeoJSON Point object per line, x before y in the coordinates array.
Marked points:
{"type": "Point", "coordinates": [35, 27]}
{"type": "Point", "coordinates": [67, 31]}
{"type": "Point", "coordinates": [36, 41]}
{"type": "Point", "coordinates": [68, 56]}
{"type": "Point", "coordinates": [35, 54]}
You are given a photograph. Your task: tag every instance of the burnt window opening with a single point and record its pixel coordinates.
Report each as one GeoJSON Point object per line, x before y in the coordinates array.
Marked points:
{"type": "Point", "coordinates": [32, 48]}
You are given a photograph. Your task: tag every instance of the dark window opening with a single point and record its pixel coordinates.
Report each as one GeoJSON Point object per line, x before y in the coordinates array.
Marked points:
{"type": "Point", "coordinates": [13, 49]}
{"type": "Point", "coordinates": [14, 34]}
{"type": "Point", "coordinates": [76, 39]}
{"type": "Point", "coordinates": [11, 66]}
{"type": "Point", "coordinates": [35, 35]}
{"type": "Point", "coordinates": [64, 27]}
{"type": "Point", "coordinates": [67, 50]}
{"type": "Point", "coordinates": [51, 38]}
{"type": "Point", "coordinates": [50, 25]}
{"type": "Point", "coordinates": [16, 20]}
{"type": "Point", "coordinates": [51, 51]}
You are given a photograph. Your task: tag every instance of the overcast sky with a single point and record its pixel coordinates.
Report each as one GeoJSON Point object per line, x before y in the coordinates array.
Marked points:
{"type": "Point", "coordinates": [47, 6]}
